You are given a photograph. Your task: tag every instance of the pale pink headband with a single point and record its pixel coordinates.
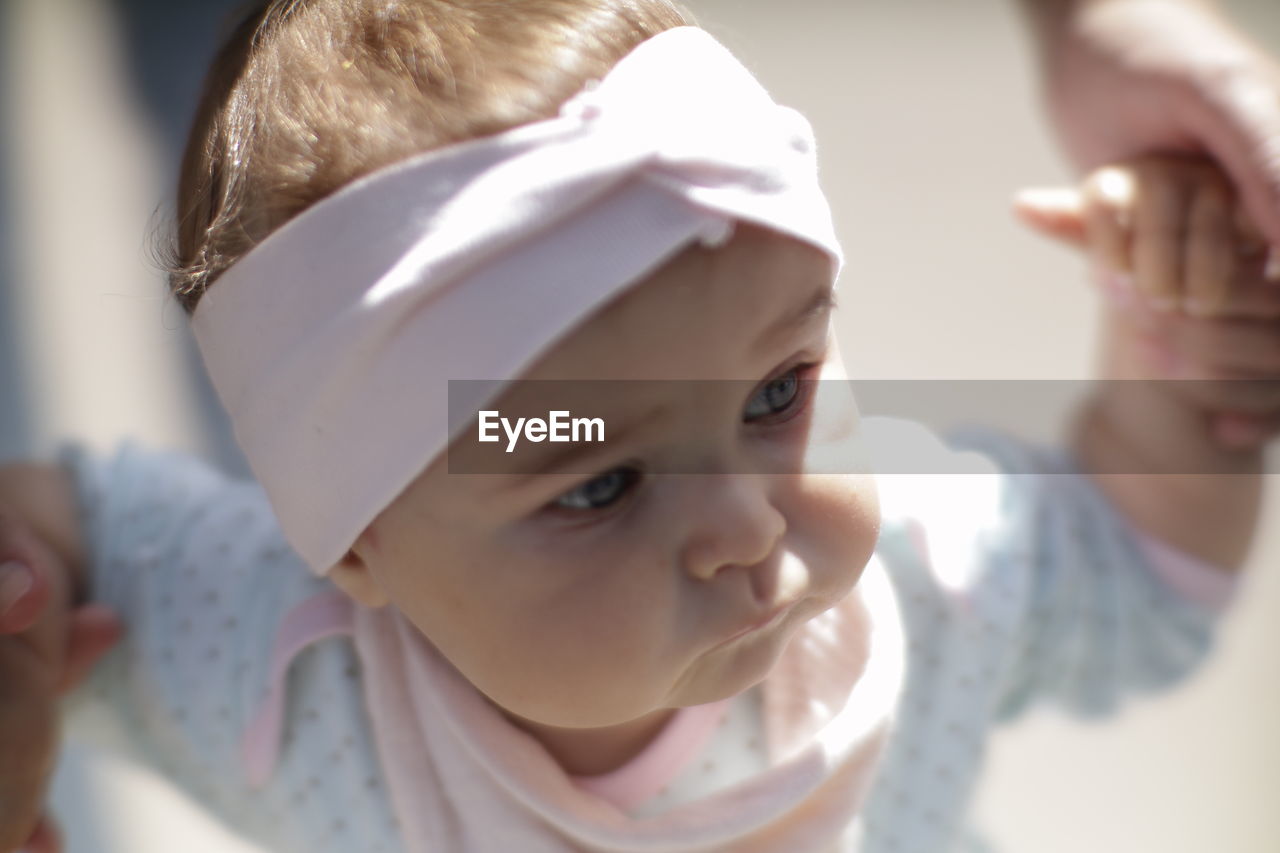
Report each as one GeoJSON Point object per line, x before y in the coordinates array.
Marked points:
{"type": "Point", "coordinates": [332, 343]}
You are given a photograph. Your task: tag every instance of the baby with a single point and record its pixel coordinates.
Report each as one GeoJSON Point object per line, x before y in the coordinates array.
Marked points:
{"type": "Point", "coordinates": [711, 631]}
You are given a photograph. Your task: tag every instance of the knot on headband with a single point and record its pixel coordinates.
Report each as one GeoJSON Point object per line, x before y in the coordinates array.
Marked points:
{"type": "Point", "coordinates": [702, 133]}
{"type": "Point", "coordinates": [333, 342]}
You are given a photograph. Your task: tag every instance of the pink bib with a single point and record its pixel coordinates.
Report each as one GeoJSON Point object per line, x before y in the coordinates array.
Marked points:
{"type": "Point", "coordinates": [462, 778]}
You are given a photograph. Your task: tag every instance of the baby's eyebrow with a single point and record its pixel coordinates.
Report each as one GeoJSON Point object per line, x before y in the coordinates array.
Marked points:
{"type": "Point", "coordinates": [550, 459]}
{"type": "Point", "coordinates": [818, 304]}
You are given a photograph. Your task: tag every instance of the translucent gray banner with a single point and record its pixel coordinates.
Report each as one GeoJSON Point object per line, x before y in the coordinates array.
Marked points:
{"type": "Point", "coordinates": [586, 427]}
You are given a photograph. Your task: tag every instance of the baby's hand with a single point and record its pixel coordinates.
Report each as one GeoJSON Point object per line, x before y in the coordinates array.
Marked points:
{"type": "Point", "coordinates": [46, 647]}
{"type": "Point", "coordinates": [1192, 282]}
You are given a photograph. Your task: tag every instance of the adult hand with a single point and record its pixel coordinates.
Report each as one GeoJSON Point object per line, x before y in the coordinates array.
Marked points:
{"type": "Point", "coordinates": [1128, 77]}
{"type": "Point", "coordinates": [47, 646]}
{"type": "Point", "coordinates": [1185, 282]}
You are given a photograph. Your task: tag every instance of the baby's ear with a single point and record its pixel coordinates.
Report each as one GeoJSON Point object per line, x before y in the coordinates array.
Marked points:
{"type": "Point", "coordinates": [351, 574]}
{"type": "Point", "coordinates": [1058, 213]}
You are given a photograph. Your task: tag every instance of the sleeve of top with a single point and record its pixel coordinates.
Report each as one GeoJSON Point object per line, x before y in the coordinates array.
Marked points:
{"type": "Point", "coordinates": [1019, 555]}
{"type": "Point", "coordinates": [196, 567]}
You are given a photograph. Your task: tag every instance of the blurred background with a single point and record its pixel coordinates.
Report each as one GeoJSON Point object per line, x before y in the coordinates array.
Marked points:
{"type": "Point", "coordinates": [927, 119]}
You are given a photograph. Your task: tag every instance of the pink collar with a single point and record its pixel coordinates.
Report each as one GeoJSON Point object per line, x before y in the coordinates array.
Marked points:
{"type": "Point", "coordinates": [457, 769]}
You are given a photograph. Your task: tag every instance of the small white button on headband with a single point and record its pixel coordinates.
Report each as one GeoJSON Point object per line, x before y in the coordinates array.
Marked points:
{"type": "Point", "coordinates": [332, 343]}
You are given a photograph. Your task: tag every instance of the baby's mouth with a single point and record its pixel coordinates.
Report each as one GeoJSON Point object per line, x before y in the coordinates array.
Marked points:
{"type": "Point", "coordinates": [767, 620]}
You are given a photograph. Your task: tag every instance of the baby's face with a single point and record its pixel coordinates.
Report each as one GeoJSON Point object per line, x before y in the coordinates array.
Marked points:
{"type": "Point", "coordinates": [592, 597]}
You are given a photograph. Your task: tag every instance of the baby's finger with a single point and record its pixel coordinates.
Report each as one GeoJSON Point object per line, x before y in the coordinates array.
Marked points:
{"type": "Point", "coordinates": [1211, 248]}
{"type": "Point", "coordinates": [23, 595]}
{"type": "Point", "coordinates": [28, 741]}
{"type": "Point", "coordinates": [1246, 348]}
{"type": "Point", "coordinates": [1214, 391]}
{"type": "Point", "coordinates": [1249, 295]}
{"type": "Point", "coordinates": [46, 839]}
{"type": "Point", "coordinates": [94, 630]}
{"type": "Point", "coordinates": [1159, 229]}
{"type": "Point", "coordinates": [1056, 212]}
{"type": "Point", "coordinates": [1256, 397]}
{"type": "Point", "coordinates": [1252, 246]}
{"type": "Point", "coordinates": [24, 586]}
{"type": "Point", "coordinates": [1110, 196]}
{"type": "Point", "coordinates": [1249, 240]}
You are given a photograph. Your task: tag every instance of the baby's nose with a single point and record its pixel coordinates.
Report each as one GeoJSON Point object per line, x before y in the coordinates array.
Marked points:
{"type": "Point", "coordinates": [736, 524]}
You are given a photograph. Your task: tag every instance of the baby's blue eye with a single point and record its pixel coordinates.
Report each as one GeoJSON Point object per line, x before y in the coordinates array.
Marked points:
{"type": "Point", "coordinates": [599, 492]}
{"type": "Point", "coordinates": [774, 397]}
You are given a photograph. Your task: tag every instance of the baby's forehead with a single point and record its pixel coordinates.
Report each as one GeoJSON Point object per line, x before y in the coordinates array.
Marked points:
{"type": "Point", "coordinates": [701, 315]}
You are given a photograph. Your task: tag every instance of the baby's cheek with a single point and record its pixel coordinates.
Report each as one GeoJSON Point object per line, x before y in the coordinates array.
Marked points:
{"type": "Point", "coordinates": [832, 443]}
{"type": "Point", "coordinates": [593, 664]}
{"type": "Point", "coordinates": [842, 521]}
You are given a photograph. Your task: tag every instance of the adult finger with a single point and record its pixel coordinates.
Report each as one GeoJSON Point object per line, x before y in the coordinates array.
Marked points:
{"type": "Point", "coordinates": [1237, 116]}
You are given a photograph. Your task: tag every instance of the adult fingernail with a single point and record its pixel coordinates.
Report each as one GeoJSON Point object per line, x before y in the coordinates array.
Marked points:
{"type": "Point", "coordinates": [15, 582]}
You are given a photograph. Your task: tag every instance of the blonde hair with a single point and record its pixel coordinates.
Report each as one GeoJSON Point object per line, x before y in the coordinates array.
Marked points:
{"type": "Point", "coordinates": [309, 95]}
